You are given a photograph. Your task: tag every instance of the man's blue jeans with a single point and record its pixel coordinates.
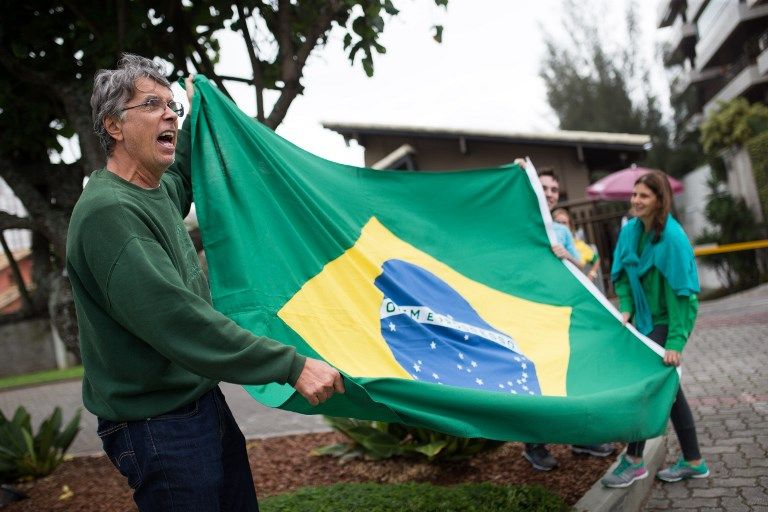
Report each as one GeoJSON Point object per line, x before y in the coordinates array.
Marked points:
{"type": "Point", "coordinates": [192, 459]}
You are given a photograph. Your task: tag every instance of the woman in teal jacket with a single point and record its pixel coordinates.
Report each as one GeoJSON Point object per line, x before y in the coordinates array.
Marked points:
{"type": "Point", "coordinates": [654, 274]}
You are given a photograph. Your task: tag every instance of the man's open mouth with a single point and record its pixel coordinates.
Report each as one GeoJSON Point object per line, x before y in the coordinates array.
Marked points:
{"type": "Point", "coordinates": [167, 139]}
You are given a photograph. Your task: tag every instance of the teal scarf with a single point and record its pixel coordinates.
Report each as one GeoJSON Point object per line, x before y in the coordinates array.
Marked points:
{"type": "Point", "coordinates": [672, 255]}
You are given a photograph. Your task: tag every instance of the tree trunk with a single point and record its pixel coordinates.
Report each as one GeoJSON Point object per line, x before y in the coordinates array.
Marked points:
{"type": "Point", "coordinates": [77, 105]}
{"type": "Point", "coordinates": [61, 307]}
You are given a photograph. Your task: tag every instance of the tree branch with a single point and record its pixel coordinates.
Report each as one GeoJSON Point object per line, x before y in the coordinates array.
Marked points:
{"type": "Point", "coordinates": [9, 221]}
{"type": "Point", "coordinates": [258, 81]}
{"type": "Point", "coordinates": [93, 27]}
{"type": "Point", "coordinates": [22, 72]}
{"type": "Point", "coordinates": [76, 102]}
{"type": "Point", "coordinates": [207, 66]}
{"type": "Point", "coordinates": [186, 29]}
{"type": "Point", "coordinates": [52, 223]}
{"type": "Point", "coordinates": [293, 66]}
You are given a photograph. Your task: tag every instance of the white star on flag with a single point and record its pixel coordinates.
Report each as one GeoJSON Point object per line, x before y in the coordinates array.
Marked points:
{"type": "Point", "coordinates": [392, 327]}
{"type": "Point", "coordinates": [433, 345]}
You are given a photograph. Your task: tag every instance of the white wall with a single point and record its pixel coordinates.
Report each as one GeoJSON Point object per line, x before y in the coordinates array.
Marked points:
{"type": "Point", "coordinates": [741, 179]}
{"type": "Point", "coordinates": [690, 208]}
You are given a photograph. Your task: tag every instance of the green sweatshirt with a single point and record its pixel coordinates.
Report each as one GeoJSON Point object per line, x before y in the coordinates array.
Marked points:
{"type": "Point", "coordinates": [678, 313]}
{"type": "Point", "coordinates": [149, 336]}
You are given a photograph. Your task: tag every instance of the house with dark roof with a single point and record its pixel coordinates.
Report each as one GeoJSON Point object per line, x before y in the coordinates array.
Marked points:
{"type": "Point", "coordinates": [577, 157]}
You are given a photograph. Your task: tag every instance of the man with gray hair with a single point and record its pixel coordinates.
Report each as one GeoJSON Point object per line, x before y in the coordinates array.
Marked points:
{"type": "Point", "coordinates": [153, 347]}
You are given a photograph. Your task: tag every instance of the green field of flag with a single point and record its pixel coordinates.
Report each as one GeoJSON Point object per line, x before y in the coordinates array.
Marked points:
{"type": "Point", "coordinates": [436, 294]}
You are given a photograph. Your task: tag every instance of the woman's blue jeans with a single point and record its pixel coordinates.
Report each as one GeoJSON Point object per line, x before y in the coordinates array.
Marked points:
{"type": "Point", "coordinates": [192, 459]}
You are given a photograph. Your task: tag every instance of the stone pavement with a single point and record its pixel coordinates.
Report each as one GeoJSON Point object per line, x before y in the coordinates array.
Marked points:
{"type": "Point", "coordinates": [254, 419]}
{"type": "Point", "coordinates": [724, 377]}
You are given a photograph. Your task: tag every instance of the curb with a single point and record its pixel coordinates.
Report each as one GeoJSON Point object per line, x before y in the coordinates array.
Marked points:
{"type": "Point", "coordinates": [603, 499]}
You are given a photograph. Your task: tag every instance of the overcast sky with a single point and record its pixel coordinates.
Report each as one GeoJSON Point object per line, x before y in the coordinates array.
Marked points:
{"type": "Point", "coordinates": [483, 75]}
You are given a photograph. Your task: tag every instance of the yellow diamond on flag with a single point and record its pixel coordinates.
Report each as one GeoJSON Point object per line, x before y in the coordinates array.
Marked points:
{"type": "Point", "coordinates": [338, 312]}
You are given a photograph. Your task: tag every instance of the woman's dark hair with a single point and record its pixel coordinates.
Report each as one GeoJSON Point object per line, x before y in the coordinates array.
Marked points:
{"type": "Point", "coordinates": [658, 183]}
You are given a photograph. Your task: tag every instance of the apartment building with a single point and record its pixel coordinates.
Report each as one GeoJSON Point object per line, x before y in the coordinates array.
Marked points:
{"type": "Point", "coordinates": [722, 47]}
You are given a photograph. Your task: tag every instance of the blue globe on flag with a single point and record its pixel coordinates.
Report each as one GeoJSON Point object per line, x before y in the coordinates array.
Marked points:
{"type": "Point", "coordinates": [436, 335]}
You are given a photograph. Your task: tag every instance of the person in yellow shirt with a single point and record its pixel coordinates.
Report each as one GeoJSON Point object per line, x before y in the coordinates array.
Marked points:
{"type": "Point", "coordinates": [589, 259]}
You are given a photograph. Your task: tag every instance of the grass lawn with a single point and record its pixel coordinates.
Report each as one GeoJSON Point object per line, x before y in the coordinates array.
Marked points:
{"type": "Point", "coordinates": [31, 379]}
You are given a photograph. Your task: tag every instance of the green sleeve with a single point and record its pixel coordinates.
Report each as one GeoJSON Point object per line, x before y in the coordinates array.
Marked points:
{"type": "Point", "coordinates": [679, 317]}
{"type": "Point", "coordinates": [624, 293]}
{"type": "Point", "coordinates": [177, 180]}
{"type": "Point", "coordinates": [157, 307]}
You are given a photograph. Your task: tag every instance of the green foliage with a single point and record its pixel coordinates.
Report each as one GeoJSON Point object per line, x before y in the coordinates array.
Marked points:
{"type": "Point", "coordinates": [733, 124]}
{"type": "Point", "coordinates": [736, 123]}
{"type": "Point", "coordinates": [733, 223]}
{"type": "Point", "coordinates": [25, 455]}
{"type": "Point", "coordinates": [50, 51]}
{"type": "Point", "coordinates": [413, 497]}
{"type": "Point", "coordinates": [379, 440]}
{"type": "Point", "coordinates": [757, 147]}
{"type": "Point", "coordinates": [592, 88]}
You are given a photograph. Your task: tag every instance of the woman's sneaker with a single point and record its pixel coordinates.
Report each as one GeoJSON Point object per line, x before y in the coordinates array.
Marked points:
{"type": "Point", "coordinates": [682, 470]}
{"type": "Point", "coordinates": [625, 474]}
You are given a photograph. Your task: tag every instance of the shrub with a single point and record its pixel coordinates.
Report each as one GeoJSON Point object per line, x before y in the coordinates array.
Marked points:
{"type": "Point", "coordinates": [413, 497]}
{"type": "Point", "coordinates": [733, 124]}
{"type": "Point", "coordinates": [733, 223]}
{"type": "Point", "coordinates": [24, 456]}
{"type": "Point", "coordinates": [379, 440]}
{"type": "Point", "coordinates": [757, 147]}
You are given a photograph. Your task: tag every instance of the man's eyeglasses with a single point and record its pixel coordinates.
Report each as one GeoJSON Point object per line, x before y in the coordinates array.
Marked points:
{"type": "Point", "coordinates": [152, 104]}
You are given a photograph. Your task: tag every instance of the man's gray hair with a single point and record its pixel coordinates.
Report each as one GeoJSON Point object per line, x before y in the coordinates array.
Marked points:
{"type": "Point", "coordinates": [113, 87]}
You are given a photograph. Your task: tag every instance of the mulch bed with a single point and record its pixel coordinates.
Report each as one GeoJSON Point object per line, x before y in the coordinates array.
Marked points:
{"type": "Point", "coordinates": [281, 464]}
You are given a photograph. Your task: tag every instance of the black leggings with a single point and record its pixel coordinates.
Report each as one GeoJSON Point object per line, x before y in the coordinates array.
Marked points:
{"type": "Point", "coordinates": [682, 419]}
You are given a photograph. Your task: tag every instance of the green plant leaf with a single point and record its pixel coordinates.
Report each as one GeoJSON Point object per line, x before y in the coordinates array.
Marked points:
{"type": "Point", "coordinates": [377, 440]}
{"type": "Point", "coordinates": [30, 446]}
{"type": "Point", "coordinates": [65, 438]}
{"type": "Point", "coordinates": [337, 450]}
{"type": "Point", "coordinates": [432, 449]}
{"type": "Point", "coordinates": [22, 419]}
{"type": "Point", "coordinates": [438, 35]}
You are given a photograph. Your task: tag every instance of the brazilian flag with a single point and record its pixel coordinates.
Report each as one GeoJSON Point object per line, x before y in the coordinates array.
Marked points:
{"type": "Point", "coordinates": [436, 294]}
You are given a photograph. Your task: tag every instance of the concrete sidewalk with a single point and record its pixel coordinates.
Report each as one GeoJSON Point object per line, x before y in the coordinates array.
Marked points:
{"type": "Point", "coordinates": [254, 419]}
{"type": "Point", "coordinates": [724, 378]}
{"type": "Point", "coordinates": [726, 384]}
